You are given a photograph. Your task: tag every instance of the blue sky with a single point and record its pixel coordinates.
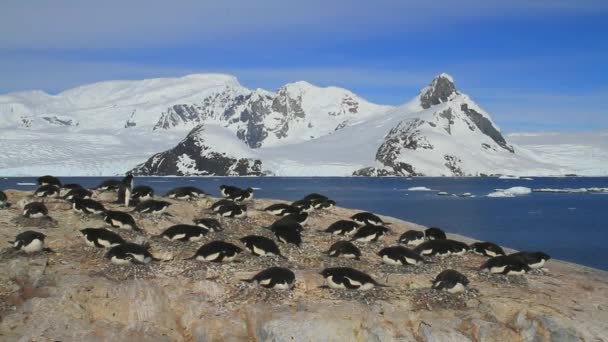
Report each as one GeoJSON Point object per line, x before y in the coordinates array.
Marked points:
{"type": "Point", "coordinates": [537, 65]}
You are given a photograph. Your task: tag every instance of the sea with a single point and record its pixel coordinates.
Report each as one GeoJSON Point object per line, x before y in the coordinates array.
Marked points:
{"type": "Point", "coordinates": [571, 226]}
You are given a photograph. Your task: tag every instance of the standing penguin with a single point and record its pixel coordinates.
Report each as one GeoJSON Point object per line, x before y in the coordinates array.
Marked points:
{"type": "Point", "coordinates": [126, 190]}
{"type": "Point", "coordinates": [451, 281]}
{"type": "Point", "coordinates": [35, 210]}
{"type": "Point", "coordinates": [274, 278]}
{"type": "Point", "coordinates": [29, 242]}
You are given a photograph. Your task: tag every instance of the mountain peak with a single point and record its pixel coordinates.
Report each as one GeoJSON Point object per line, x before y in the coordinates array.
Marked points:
{"type": "Point", "coordinates": [440, 90]}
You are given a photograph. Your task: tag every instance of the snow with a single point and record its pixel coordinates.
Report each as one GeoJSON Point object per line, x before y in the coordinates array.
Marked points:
{"type": "Point", "coordinates": [508, 177]}
{"type": "Point", "coordinates": [420, 188]}
{"type": "Point", "coordinates": [511, 192]}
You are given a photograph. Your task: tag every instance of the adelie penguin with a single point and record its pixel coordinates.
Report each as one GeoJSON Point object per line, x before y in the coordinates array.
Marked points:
{"type": "Point", "coordinates": [4, 201]}
{"type": "Point", "coordinates": [303, 206]}
{"type": "Point", "coordinates": [434, 233]}
{"type": "Point", "coordinates": [235, 193]}
{"type": "Point", "coordinates": [314, 197]}
{"type": "Point", "coordinates": [153, 207]}
{"type": "Point", "coordinates": [488, 249]}
{"type": "Point", "coordinates": [129, 253]}
{"type": "Point", "coordinates": [30, 242]}
{"type": "Point", "coordinates": [234, 211]}
{"type": "Point", "coordinates": [184, 232]}
{"type": "Point", "coordinates": [50, 191]}
{"type": "Point", "coordinates": [281, 209]}
{"type": "Point", "coordinates": [287, 231]}
{"type": "Point", "coordinates": [457, 247]}
{"type": "Point", "coordinates": [80, 193]}
{"type": "Point", "coordinates": [344, 249]}
{"type": "Point", "coordinates": [366, 218]}
{"type": "Point", "coordinates": [49, 180]}
{"type": "Point", "coordinates": [440, 248]}
{"type": "Point", "coordinates": [325, 204]}
{"type": "Point", "coordinates": [126, 190]}
{"type": "Point", "coordinates": [400, 255]}
{"type": "Point", "coordinates": [109, 185]}
{"type": "Point", "coordinates": [101, 237]}
{"type": "Point", "coordinates": [186, 193]}
{"type": "Point", "coordinates": [65, 188]}
{"type": "Point", "coordinates": [142, 193]}
{"type": "Point", "coordinates": [217, 205]}
{"type": "Point", "coordinates": [119, 219]}
{"type": "Point", "coordinates": [217, 251]}
{"type": "Point", "coordinates": [210, 224]}
{"type": "Point", "coordinates": [35, 210]}
{"type": "Point", "coordinates": [261, 246]}
{"type": "Point", "coordinates": [507, 265]}
{"type": "Point", "coordinates": [451, 281]}
{"type": "Point", "coordinates": [301, 218]}
{"type": "Point", "coordinates": [348, 278]}
{"type": "Point", "coordinates": [412, 238]}
{"type": "Point", "coordinates": [87, 206]}
{"type": "Point", "coordinates": [278, 278]}
{"type": "Point", "coordinates": [342, 227]}
{"type": "Point", "coordinates": [370, 233]}
{"type": "Point", "coordinates": [534, 260]}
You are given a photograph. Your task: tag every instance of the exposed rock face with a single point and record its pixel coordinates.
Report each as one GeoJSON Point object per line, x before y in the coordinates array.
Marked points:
{"type": "Point", "coordinates": [59, 121]}
{"type": "Point", "coordinates": [194, 157]}
{"type": "Point", "coordinates": [440, 90]}
{"type": "Point", "coordinates": [75, 294]}
{"type": "Point", "coordinates": [486, 127]}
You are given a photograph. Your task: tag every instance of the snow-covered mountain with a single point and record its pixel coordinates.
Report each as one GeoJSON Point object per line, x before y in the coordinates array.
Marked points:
{"type": "Point", "coordinates": [209, 124]}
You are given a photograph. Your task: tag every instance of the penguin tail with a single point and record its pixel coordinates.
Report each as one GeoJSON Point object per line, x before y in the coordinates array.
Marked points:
{"type": "Point", "coordinates": [248, 280]}
{"type": "Point", "coordinates": [11, 242]}
{"type": "Point", "coordinates": [380, 285]}
{"type": "Point", "coordinates": [136, 228]}
{"type": "Point", "coordinates": [323, 287]}
{"type": "Point", "coordinates": [190, 258]}
{"type": "Point", "coordinates": [157, 259]}
{"type": "Point", "coordinates": [168, 214]}
{"type": "Point", "coordinates": [283, 257]}
{"type": "Point", "coordinates": [388, 223]}
{"type": "Point", "coordinates": [48, 250]}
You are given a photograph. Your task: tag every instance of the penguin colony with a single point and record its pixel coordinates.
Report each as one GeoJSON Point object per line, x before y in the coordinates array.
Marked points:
{"type": "Point", "coordinates": [411, 249]}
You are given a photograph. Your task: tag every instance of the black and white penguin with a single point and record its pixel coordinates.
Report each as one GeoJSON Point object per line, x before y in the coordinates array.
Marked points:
{"type": "Point", "coordinates": [506, 264]}
{"type": "Point", "coordinates": [348, 278]}
{"type": "Point", "coordinates": [314, 197]}
{"type": "Point", "coordinates": [325, 204]}
{"type": "Point", "coordinates": [119, 219]}
{"type": "Point", "coordinates": [217, 251]}
{"type": "Point", "coordinates": [186, 193]}
{"type": "Point", "coordinates": [344, 249]}
{"type": "Point", "coordinates": [81, 193]}
{"type": "Point", "coordinates": [49, 180]}
{"type": "Point", "coordinates": [301, 218]}
{"type": "Point", "coordinates": [412, 238]}
{"type": "Point", "coordinates": [457, 247]}
{"type": "Point", "coordinates": [210, 224]}
{"type": "Point", "coordinates": [126, 190]}
{"type": "Point", "coordinates": [370, 233]}
{"type": "Point", "coordinates": [35, 210]}
{"type": "Point", "coordinates": [129, 253]}
{"type": "Point", "coordinates": [244, 195]}
{"type": "Point", "coordinates": [29, 242]}
{"type": "Point", "coordinates": [278, 278]}
{"type": "Point", "coordinates": [235, 193]}
{"type": "Point", "coordinates": [217, 205]}
{"type": "Point", "coordinates": [281, 209]}
{"type": "Point", "coordinates": [451, 281]}
{"type": "Point", "coordinates": [153, 207]}
{"type": "Point", "coordinates": [87, 206]}
{"type": "Point", "coordinates": [400, 255]}
{"type": "Point", "coordinates": [488, 249]}
{"type": "Point", "coordinates": [261, 246]}
{"type": "Point", "coordinates": [184, 232]}
{"type": "Point", "coordinates": [228, 190]}
{"type": "Point", "coordinates": [367, 218]}
{"type": "Point", "coordinates": [342, 227]}
{"type": "Point", "coordinates": [50, 191]}
{"type": "Point", "coordinates": [534, 260]}
{"type": "Point", "coordinates": [287, 231]}
{"type": "Point", "coordinates": [101, 237]}
{"type": "Point", "coordinates": [4, 200]}
{"type": "Point", "coordinates": [303, 206]}
{"type": "Point", "coordinates": [233, 210]}
{"type": "Point", "coordinates": [109, 185]}
{"type": "Point", "coordinates": [440, 248]}
{"type": "Point", "coordinates": [142, 193]}
{"type": "Point", "coordinates": [65, 188]}
{"type": "Point", "coordinates": [434, 233]}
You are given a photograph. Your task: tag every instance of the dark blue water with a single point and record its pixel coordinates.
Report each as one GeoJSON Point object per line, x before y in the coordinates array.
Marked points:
{"type": "Point", "coordinates": [571, 227]}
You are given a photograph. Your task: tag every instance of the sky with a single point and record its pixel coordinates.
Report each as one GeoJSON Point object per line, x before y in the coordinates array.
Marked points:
{"type": "Point", "coordinates": [534, 65]}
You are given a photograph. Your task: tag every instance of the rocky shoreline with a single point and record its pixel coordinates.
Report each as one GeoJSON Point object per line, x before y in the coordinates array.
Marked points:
{"type": "Point", "coordinates": [76, 294]}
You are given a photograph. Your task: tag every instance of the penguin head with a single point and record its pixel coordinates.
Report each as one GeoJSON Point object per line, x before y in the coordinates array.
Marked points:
{"type": "Point", "coordinates": [325, 273]}
{"type": "Point", "coordinates": [249, 190]}
{"type": "Point", "coordinates": [542, 255]}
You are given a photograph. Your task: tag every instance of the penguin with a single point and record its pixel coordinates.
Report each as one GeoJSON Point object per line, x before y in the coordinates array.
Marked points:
{"type": "Point", "coordinates": [507, 265]}
{"type": "Point", "coordinates": [217, 251]}
{"type": "Point", "coordinates": [366, 218]}
{"type": "Point", "coordinates": [303, 206]}
{"type": "Point", "coordinates": [261, 246]}
{"type": "Point", "coordinates": [101, 237]}
{"type": "Point", "coordinates": [348, 278]}
{"type": "Point", "coordinates": [80, 193]}
{"type": "Point", "coordinates": [184, 232]}
{"type": "Point", "coordinates": [35, 210]}
{"type": "Point", "coordinates": [457, 247]}
{"type": "Point", "coordinates": [235, 193]}
{"type": "Point", "coordinates": [286, 223]}
{"type": "Point", "coordinates": [49, 180]}
{"type": "Point", "coordinates": [314, 197]}
{"type": "Point", "coordinates": [109, 185]}
{"type": "Point", "coordinates": [186, 193]}
{"type": "Point", "coordinates": [434, 233]}
{"type": "Point", "coordinates": [129, 253]}
{"type": "Point", "coordinates": [50, 191]}
{"type": "Point", "coordinates": [400, 255]}
{"type": "Point", "coordinates": [142, 193]}
{"type": "Point", "coordinates": [325, 204]}
{"type": "Point", "coordinates": [233, 211]}
{"type": "Point", "coordinates": [440, 248]}
{"type": "Point", "coordinates": [153, 207]}
{"type": "Point", "coordinates": [342, 227]}
{"type": "Point", "coordinates": [119, 219]}
{"type": "Point", "coordinates": [534, 260]}
{"type": "Point", "coordinates": [29, 242]}
{"type": "Point", "coordinates": [369, 233]}
{"type": "Point", "coordinates": [287, 231]}
{"type": "Point", "coordinates": [4, 201]}
{"type": "Point", "coordinates": [244, 195]}
{"type": "Point", "coordinates": [87, 206]}
{"type": "Point", "coordinates": [451, 281]}
{"type": "Point", "coordinates": [65, 188]}
{"type": "Point", "coordinates": [210, 224]}
{"type": "Point", "coordinates": [412, 238]}
{"type": "Point", "coordinates": [278, 278]}
{"type": "Point", "coordinates": [344, 249]}
{"type": "Point", "coordinates": [488, 249]}
{"type": "Point", "coordinates": [301, 218]}
{"type": "Point", "coordinates": [227, 190]}
{"type": "Point", "coordinates": [281, 209]}
{"type": "Point", "coordinates": [125, 191]}
{"type": "Point", "coordinates": [216, 206]}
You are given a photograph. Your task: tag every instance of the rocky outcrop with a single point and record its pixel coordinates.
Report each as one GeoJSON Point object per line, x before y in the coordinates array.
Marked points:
{"type": "Point", "coordinates": [441, 89]}
{"type": "Point", "coordinates": [486, 127]}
